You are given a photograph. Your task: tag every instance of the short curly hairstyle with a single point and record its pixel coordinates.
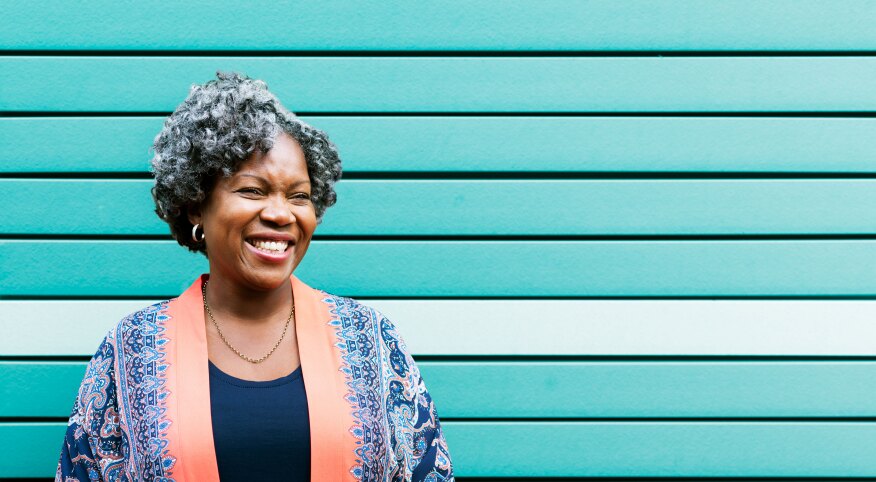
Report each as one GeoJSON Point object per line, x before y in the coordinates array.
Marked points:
{"type": "Point", "coordinates": [217, 127]}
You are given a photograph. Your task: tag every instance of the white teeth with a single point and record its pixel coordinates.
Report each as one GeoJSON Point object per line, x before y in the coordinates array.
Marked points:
{"type": "Point", "coordinates": [273, 246]}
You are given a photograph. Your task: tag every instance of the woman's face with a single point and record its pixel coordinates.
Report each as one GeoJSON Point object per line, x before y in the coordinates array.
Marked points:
{"type": "Point", "coordinates": [258, 222]}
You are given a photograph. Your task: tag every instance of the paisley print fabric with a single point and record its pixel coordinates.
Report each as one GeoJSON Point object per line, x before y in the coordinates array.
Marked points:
{"type": "Point", "coordinates": [125, 424]}
{"type": "Point", "coordinates": [118, 428]}
{"type": "Point", "coordinates": [395, 422]}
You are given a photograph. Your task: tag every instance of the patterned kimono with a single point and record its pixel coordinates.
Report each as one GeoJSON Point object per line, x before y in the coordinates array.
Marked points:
{"type": "Point", "coordinates": [143, 409]}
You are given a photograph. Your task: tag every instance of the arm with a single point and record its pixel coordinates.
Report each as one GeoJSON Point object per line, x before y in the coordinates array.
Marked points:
{"type": "Point", "coordinates": [93, 444]}
{"type": "Point", "coordinates": [412, 415]}
{"type": "Point", "coordinates": [434, 464]}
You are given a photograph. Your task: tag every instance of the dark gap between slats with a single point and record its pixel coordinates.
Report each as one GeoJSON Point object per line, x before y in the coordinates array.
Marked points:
{"type": "Point", "coordinates": [648, 297]}
{"type": "Point", "coordinates": [45, 358]}
{"type": "Point", "coordinates": [401, 53]}
{"type": "Point", "coordinates": [468, 238]}
{"type": "Point", "coordinates": [865, 297]}
{"type": "Point", "coordinates": [707, 420]}
{"type": "Point", "coordinates": [758, 114]}
{"type": "Point", "coordinates": [604, 479]}
{"type": "Point", "coordinates": [34, 419]}
{"type": "Point", "coordinates": [495, 175]}
{"type": "Point", "coordinates": [527, 359]}
{"type": "Point", "coordinates": [660, 479]}
{"type": "Point", "coordinates": [713, 420]}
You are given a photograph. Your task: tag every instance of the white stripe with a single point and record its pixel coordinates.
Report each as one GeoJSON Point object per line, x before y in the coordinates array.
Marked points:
{"type": "Point", "coordinates": [522, 327]}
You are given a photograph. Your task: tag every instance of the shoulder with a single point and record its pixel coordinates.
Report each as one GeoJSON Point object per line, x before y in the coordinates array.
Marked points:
{"type": "Point", "coordinates": [350, 314]}
{"type": "Point", "coordinates": [353, 313]}
{"type": "Point", "coordinates": [134, 332]}
{"type": "Point", "coordinates": [145, 318]}
{"type": "Point", "coordinates": [344, 306]}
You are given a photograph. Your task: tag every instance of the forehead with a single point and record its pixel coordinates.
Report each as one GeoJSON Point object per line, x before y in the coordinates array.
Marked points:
{"type": "Point", "coordinates": [285, 160]}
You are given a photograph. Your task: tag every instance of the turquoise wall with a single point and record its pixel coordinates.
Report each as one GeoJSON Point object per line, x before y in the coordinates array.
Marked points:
{"type": "Point", "coordinates": [622, 238]}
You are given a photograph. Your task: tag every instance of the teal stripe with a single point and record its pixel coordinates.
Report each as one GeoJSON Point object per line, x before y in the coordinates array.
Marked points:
{"type": "Point", "coordinates": [652, 389]}
{"type": "Point", "coordinates": [39, 389]}
{"type": "Point", "coordinates": [560, 389]}
{"type": "Point", "coordinates": [631, 449]}
{"type": "Point", "coordinates": [487, 144]}
{"type": "Point", "coordinates": [628, 449]}
{"type": "Point", "coordinates": [466, 268]}
{"type": "Point", "coordinates": [452, 84]}
{"type": "Point", "coordinates": [414, 207]}
{"type": "Point", "coordinates": [453, 24]}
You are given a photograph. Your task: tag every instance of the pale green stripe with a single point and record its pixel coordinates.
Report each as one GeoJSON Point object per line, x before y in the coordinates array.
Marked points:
{"type": "Point", "coordinates": [561, 389]}
{"type": "Point", "coordinates": [496, 207]}
{"type": "Point", "coordinates": [504, 327]}
{"type": "Point", "coordinates": [487, 144]}
{"type": "Point", "coordinates": [557, 449]}
{"type": "Point", "coordinates": [446, 25]}
{"type": "Point", "coordinates": [465, 268]}
{"type": "Point", "coordinates": [452, 84]}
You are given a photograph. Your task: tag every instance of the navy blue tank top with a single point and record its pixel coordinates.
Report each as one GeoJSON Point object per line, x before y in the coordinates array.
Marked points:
{"type": "Point", "coordinates": [261, 430]}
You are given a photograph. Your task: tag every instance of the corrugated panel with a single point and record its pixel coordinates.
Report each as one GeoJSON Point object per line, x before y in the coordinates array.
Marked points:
{"type": "Point", "coordinates": [465, 268]}
{"type": "Point", "coordinates": [452, 84]}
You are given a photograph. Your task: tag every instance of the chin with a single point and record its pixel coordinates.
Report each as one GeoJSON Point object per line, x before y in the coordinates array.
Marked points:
{"type": "Point", "coordinates": [273, 281]}
{"type": "Point", "coordinates": [266, 280]}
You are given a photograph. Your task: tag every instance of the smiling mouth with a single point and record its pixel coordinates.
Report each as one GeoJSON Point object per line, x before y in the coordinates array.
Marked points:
{"type": "Point", "coordinates": [269, 246]}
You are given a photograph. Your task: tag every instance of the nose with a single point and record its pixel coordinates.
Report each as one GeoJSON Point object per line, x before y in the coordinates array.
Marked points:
{"type": "Point", "coordinates": [276, 211]}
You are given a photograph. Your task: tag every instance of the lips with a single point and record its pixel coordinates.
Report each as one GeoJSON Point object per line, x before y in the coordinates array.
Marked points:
{"type": "Point", "coordinates": [270, 250]}
{"type": "Point", "coordinates": [269, 246]}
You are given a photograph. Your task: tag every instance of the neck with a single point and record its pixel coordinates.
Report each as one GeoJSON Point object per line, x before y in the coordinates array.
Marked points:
{"type": "Point", "coordinates": [234, 303]}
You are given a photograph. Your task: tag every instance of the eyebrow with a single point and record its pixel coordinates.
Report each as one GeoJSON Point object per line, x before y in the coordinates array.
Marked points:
{"type": "Point", "coordinates": [260, 178]}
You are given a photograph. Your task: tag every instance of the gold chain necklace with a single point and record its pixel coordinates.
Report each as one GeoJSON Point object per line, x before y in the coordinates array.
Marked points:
{"type": "Point", "coordinates": [229, 345]}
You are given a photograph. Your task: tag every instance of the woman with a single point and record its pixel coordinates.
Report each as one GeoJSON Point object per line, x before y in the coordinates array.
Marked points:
{"type": "Point", "coordinates": [250, 374]}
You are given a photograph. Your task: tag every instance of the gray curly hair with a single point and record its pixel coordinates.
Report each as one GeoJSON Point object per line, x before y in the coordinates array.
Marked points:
{"type": "Point", "coordinates": [217, 127]}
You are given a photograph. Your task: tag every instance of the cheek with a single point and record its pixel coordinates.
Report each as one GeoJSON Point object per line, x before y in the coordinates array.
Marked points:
{"type": "Point", "coordinates": [223, 224]}
{"type": "Point", "coordinates": [307, 221]}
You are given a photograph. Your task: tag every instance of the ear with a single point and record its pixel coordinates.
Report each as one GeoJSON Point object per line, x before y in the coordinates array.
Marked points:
{"type": "Point", "coordinates": [194, 213]}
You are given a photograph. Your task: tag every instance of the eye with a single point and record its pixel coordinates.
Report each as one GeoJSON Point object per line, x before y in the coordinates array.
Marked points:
{"type": "Point", "coordinates": [249, 190]}
{"type": "Point", "coordinates": [300, 197]}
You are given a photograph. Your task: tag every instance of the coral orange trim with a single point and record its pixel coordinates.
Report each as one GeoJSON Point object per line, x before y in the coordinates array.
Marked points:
{"type": "Point", "coordinates": [332, 444]}
{"type": "Point", "coordinates": [190, 438]}
{"type": "Point", "coordinates": [191, 442]}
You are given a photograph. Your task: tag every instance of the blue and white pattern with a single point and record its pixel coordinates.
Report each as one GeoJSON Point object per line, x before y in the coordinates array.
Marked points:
{"type": "Point", "coordinates": [119, 425]}
{"type": "Point", "coordinates": [118, 428]}
{"type": "Point", "coordinates": [395, 421]}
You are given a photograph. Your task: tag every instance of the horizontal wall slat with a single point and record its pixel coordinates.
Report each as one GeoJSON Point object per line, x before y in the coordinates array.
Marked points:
{"type": "Point", "coordinates": [451, 84]}
{"type": "Point", "coordinates": [465, 268]}
{"type": "Point", "coordinates": [505, 327]}
{"type": "Point", "coordinates": [487, 144]}
{"type": "Point", "coordinates": [631, 449]}
{"type": "Point", "coordinates": [448, 25]}
{"type": "Point", "coordinates": [664, 449]}
{"type": "Point", "coordinates": [561, 389]}
{"type": "Point", "coordinates": [496, 207]}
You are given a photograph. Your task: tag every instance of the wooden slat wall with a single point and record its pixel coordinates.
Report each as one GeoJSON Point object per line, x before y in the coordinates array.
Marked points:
{"type": "Point", "coordinates": [598, 327]}
{"type": "Point", "coordinates": [453, 25]}
{"type": "Point", "coordinates": [489, 144]}
{"type": "Point", "coordinates": [377, 84]}
{"type": "Point", "coordinates": [657, 217]}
